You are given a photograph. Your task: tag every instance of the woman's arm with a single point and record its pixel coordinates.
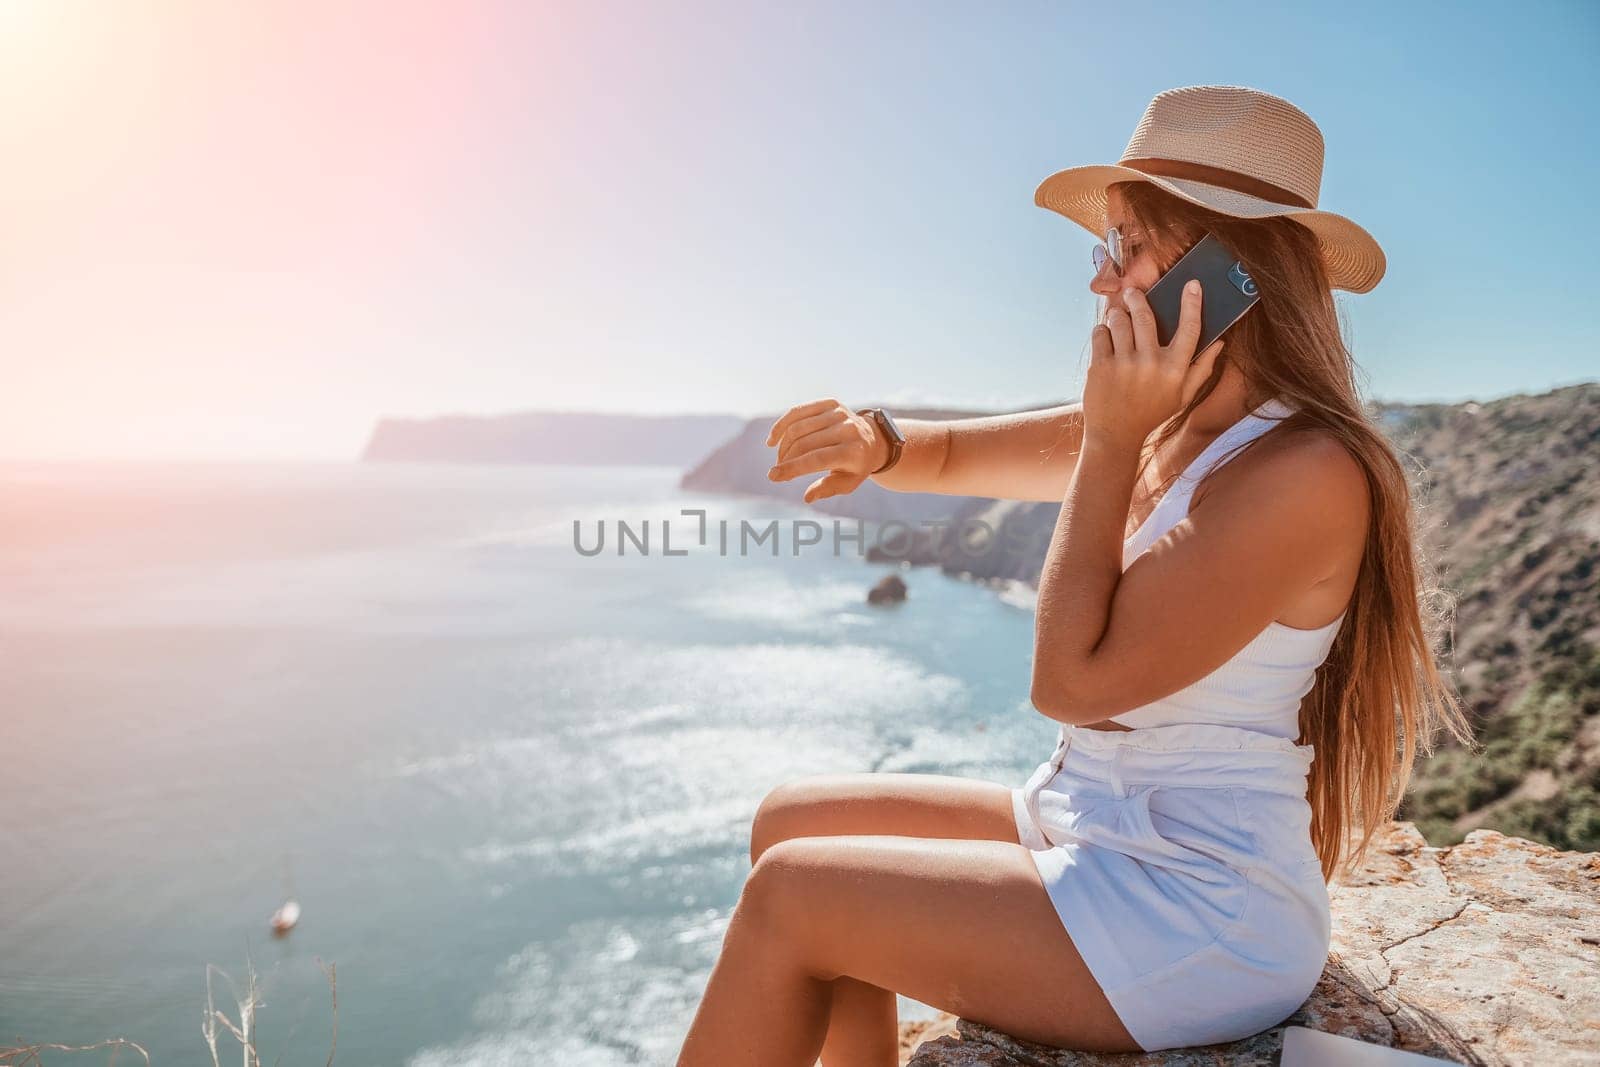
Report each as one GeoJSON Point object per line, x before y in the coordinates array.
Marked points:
{"type": "Point", "coordinates": [1134, 384]}
{"type": "Point", "coordinates": [1025, 455]}
{"type": "Point", "coordinates": [1278, 521]}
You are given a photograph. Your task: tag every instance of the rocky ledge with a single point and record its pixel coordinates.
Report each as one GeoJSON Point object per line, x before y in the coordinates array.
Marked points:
{"type": "Point", "coordinates": [1487, 952]}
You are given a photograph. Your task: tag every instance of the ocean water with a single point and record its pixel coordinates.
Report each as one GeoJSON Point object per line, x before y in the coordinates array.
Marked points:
{"type": "Point", "coordinates": [510, 785]}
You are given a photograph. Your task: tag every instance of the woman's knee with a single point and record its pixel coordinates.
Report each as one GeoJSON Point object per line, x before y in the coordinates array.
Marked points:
{"type": "Point", "coordinates": [797, 808]}
{"type": "Point", "coordinates": [913, 805]}
{"type": "Point", "coordinates": [774, 904]}
{"type": "Point", "coordinates": [782, 812]}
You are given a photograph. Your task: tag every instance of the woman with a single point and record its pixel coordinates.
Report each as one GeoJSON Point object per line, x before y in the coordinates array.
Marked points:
{"type": "Point", "coordinates": [1230, 631]}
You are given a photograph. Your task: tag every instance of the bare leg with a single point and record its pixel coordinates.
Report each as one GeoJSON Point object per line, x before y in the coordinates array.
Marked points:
{"type": "Point", "coordinates": [761, 1008]}
{"type": "Point", "coordinates": [863, 1028]}
{"type": "Point", "coordinates": [963, 925]}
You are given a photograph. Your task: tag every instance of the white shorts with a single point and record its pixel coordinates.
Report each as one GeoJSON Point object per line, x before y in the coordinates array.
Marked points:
{"type": "Point", "coordinates": [1180, 861]}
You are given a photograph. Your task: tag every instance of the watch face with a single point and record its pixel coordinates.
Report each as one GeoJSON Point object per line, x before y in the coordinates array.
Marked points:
{"type": "Point", "coordinates": [888, 421]}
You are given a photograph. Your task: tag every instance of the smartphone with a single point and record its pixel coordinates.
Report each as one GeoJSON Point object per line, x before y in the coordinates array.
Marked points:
{"type": "Point", "coordinates": [1226, 289]}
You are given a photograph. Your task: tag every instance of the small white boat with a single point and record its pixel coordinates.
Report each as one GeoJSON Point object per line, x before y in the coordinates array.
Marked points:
{"type": "Point", "coordinates": [284, 918]}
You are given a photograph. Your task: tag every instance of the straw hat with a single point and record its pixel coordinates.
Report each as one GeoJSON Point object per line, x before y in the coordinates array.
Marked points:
{"type": "Point", "coordinates": [1235, 150]}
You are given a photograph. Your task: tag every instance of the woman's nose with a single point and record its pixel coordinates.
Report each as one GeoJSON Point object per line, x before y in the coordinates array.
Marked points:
{"type": "Point", "coordinates": [1105, 282]}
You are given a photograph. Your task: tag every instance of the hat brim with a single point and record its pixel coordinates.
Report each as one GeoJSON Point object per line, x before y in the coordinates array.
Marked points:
{"type": "Point", "coordinates": [1355, 262]}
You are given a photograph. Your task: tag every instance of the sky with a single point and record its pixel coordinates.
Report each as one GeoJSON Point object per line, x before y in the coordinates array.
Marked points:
{"type": "Point", "coordinates": [249, 230]}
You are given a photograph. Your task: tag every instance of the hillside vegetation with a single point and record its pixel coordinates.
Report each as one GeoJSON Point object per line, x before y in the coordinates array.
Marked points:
{"type": "Point", "coordinates": [1510, 497]}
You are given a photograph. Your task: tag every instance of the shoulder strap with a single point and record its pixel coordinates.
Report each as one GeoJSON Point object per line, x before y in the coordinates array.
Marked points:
{"type": "Point", "coordinates": [1231, 441]}
{"type": "Point", "coordinates": [1174, 503]}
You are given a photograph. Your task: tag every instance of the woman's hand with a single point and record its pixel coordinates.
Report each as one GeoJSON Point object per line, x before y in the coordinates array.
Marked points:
{"type": "Point", "coordinates": [1134, 383]}
{"type": "Point", "coordinates": [826, 435]}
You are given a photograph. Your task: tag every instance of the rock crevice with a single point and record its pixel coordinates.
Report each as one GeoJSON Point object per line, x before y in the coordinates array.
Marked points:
{"type": "Point", "coordinates": [1487, 952]}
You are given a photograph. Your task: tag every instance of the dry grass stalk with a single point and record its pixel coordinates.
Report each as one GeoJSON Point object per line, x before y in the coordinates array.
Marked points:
{"type": "Point", "coordinates": [32, 1055]}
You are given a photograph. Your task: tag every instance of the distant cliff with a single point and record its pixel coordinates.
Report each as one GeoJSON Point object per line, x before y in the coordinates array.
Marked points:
{"type": "Point", "coordinates": [585, 438]}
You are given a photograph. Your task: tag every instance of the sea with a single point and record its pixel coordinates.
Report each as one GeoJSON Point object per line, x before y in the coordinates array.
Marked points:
{"type": "Point", "coordinates": [509, 779]}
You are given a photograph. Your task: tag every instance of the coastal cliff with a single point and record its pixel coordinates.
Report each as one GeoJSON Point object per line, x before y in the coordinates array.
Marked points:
{"type": "Point", "coordinates": [1507, 492]}
{"type": "Point", "coordinates": [1508, 497]}
{"type": "Point", "coordinates": [1482, 953]}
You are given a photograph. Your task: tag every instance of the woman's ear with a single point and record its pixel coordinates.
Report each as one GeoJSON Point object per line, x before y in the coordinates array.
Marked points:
{"type": "Point", "coordinates": [1203, 368]}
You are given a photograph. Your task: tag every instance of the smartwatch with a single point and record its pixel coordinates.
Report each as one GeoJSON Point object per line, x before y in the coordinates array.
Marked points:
{"type": "Point", "coordinates": [890, 432]}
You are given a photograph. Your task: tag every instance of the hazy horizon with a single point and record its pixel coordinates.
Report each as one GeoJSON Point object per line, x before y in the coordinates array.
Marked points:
{"type": "Point", "coordinates": [357, 455]}
{"type": "Point", "coordinates": [252, 231]}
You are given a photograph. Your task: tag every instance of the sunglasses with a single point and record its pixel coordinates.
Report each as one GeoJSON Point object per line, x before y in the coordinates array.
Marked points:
{"type": "Point", "coordinates": [1115, 248]}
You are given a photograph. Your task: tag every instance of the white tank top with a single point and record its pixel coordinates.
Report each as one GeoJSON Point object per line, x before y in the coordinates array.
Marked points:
{"type": "Point", "coordinates": [1261, 687]}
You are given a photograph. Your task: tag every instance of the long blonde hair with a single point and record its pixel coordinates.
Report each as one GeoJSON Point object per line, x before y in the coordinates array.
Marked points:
{"type": "Point", "coordinates": [1379, 696]}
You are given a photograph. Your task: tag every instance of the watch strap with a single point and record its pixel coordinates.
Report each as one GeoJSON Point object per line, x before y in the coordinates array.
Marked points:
{"type": "Point", "coordinates": [890, 433]}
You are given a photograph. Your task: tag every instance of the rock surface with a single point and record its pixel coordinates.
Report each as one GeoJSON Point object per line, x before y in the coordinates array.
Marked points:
{"type": "Point", "coordinates": [891, 589]}
{"type": "Point", "coordinates": [1487, 952]}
